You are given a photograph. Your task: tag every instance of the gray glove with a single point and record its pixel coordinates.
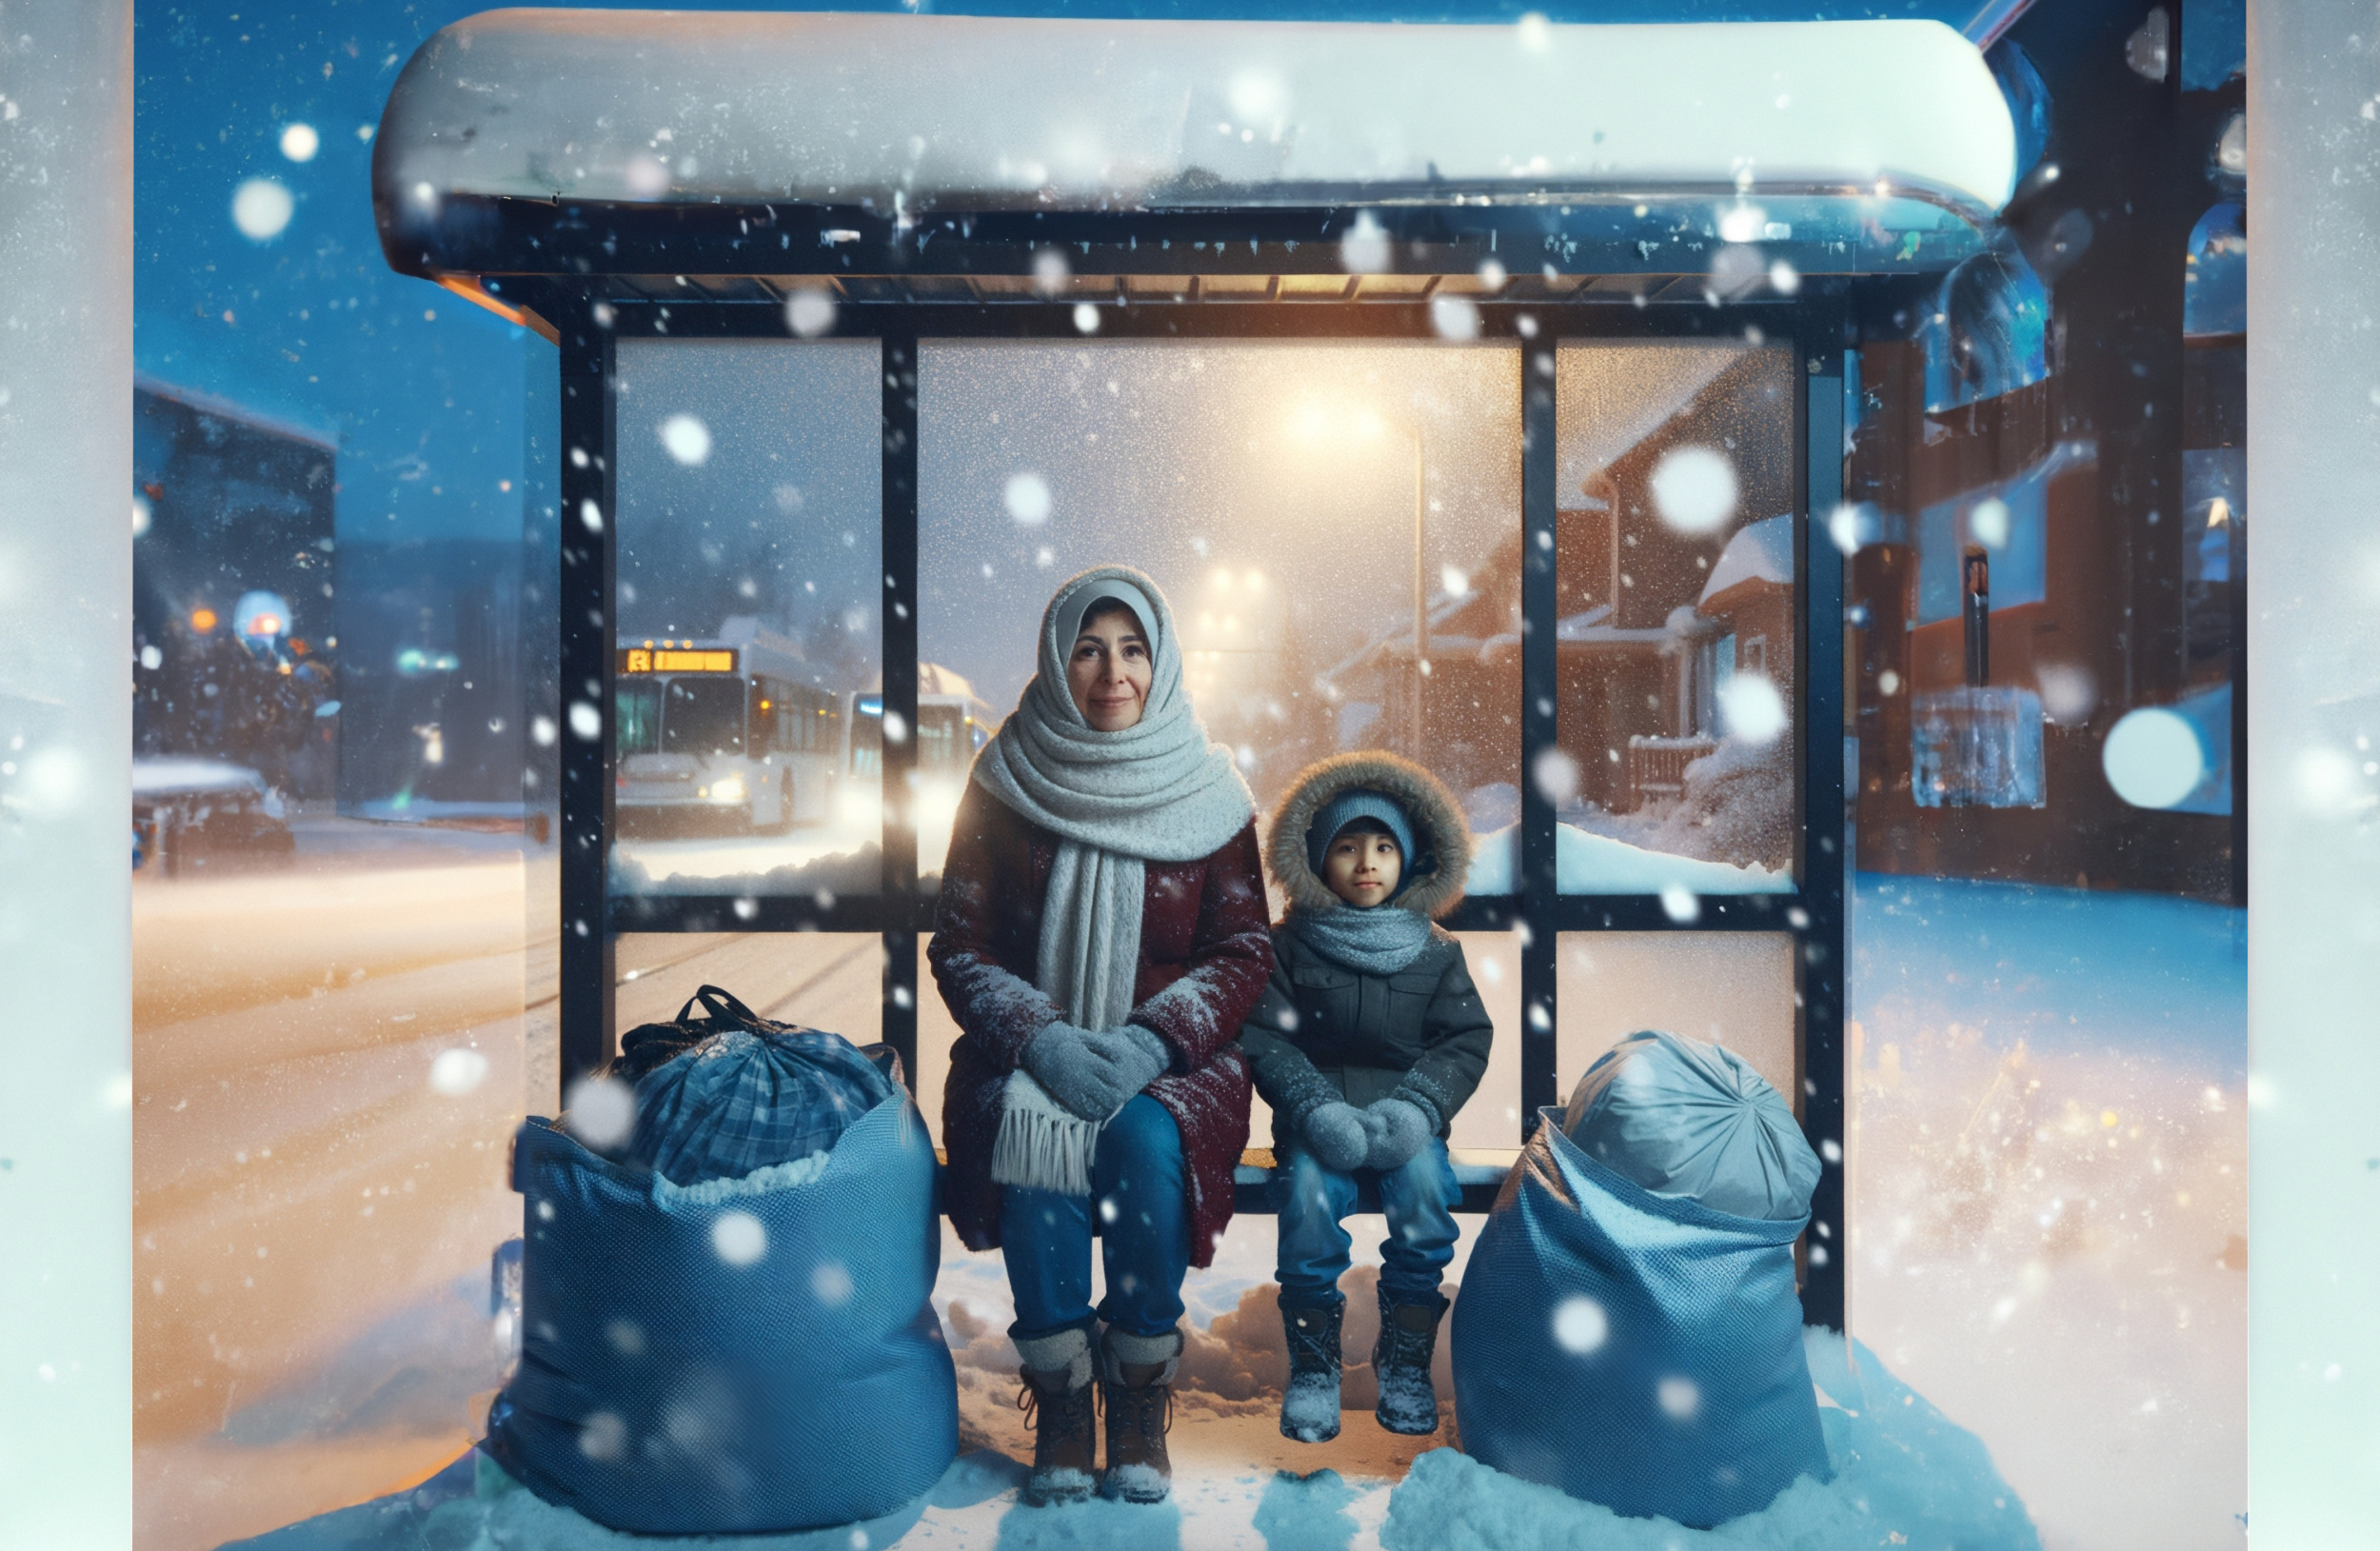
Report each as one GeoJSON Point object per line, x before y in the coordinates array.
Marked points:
{"type": "Point", "coordinates": [1396, 1130]}
{"type": "Point", "coordinates": [1336, 1134]}
{"type": "Point", "coordinates": [1095, 1074]}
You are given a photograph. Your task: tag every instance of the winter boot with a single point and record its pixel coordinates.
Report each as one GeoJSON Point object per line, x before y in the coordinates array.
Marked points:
{"type": "Point", "coordinates": [1058, 1403]}
{"type": "Point", "coordinates": [1309, 1407]}
{"type": "Point", "coordinates": [1401, 1362]}
{"type": "Point", "coordinates": [1136, 1373]}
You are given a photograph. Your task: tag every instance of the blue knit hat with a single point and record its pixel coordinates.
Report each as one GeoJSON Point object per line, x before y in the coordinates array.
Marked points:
{"type": "Point", "coordinates": [1360, 802]}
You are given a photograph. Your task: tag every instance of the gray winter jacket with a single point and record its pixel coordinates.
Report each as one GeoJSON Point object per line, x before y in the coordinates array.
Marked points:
{"type": "Point", "coordinates": [1419, 1035]}
{"type": "Point", "coordinates": [1325, 1032]}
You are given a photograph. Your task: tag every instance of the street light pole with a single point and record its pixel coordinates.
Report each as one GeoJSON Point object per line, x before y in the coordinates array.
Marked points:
{"type": "Point", "coordinates": [1420, 594]}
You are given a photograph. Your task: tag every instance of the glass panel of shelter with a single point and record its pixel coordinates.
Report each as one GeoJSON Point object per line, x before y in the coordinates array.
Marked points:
{"type": "Point", "coordinates": [748, 691]}
{"type": "Point", "coordinates": [1677, 616]}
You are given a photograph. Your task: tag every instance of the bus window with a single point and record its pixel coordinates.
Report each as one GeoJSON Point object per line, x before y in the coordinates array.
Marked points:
{"type": "Point", "coordinates": [638, 715]}
{"type": "Point", "coordinates": [941, 739]}
{"type": "Point", "coordinates": [704, 716]}
{"type": "Point", "coordinates": [828, 724]}
{"type": "Point", "coordinates": [762, 718]}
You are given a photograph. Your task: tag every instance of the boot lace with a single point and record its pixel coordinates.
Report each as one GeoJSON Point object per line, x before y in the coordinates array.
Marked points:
{"type": "Point", "coordinates": [1313, 1349]}
{"type": "Point", "coordinates": [1133, 1409]}
{"type": "Point", "coordinates": [1068, 1420]}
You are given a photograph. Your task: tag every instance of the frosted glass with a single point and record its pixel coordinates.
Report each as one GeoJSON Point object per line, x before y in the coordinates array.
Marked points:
{"type": "Point", "coordinates": [1731, 988]}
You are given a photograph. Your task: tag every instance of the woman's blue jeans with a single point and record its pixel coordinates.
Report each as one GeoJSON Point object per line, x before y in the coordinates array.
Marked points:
{"type": "Point", "coordinates": [1418, 1201]}
{"type": "Point", "coordinates": [1144, 1229]}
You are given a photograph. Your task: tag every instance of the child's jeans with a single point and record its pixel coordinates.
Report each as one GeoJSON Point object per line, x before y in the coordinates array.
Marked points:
{"type": "Point", "coordinates": [1144, 1229]}
{"type": "Point", "coordinates": [1418, 1201]}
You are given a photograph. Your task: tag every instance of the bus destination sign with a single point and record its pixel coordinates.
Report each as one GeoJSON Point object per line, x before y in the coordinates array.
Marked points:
{"type": "Point", "coordinates": [677, 659]}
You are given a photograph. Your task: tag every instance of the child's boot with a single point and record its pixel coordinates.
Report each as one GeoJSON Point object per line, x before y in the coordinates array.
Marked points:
{"type": "Point", "coordinates": [1401, 1362]}
{"type": "Point", "coordinates": [1309, 1407]}
{"type": "Point", "coordinates": [1137, 1375]}
{"type": "Point", "coordinates": [1058, 1403]}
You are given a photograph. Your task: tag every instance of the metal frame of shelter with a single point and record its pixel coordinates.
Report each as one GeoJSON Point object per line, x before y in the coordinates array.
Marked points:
{"type": "Point", "coordinates": [588, 276]}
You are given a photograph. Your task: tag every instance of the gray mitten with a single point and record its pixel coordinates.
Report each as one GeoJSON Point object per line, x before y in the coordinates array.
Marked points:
{"type": "Point", "coordinates": [1060, 1059]}
{"type": "Point", "coordinates": [1135, 1058]}
{"type": "Point", "coordinates": [1093, 1074]}
{"type": "Point", "coordinates": [1337, 1133]}
{"type": "Point", "coordinates": [1397, 1130]}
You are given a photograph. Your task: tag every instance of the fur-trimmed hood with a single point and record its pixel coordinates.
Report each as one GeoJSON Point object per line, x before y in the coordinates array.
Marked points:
{"type": "Point", "coordinates": [1437, 823]}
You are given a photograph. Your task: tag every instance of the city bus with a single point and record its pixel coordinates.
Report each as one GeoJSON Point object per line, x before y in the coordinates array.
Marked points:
{"type": "Point", "coordinates": [727, 727]}
{"type": "Point", "coordinates": [954, 724]}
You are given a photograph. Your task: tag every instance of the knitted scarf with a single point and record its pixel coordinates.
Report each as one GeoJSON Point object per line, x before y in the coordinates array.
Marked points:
{"type": "Point", "coordinates": [1155, 791]}
{"type": "Point", "coordinates": [1380, 941]}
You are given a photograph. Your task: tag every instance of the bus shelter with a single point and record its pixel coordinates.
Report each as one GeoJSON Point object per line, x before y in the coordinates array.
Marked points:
{"type": "Point", "coordinates": [1475, 393]}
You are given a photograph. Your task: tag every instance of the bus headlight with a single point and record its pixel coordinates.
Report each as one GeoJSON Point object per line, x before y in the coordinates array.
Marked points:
{"type": "Point", "coordinates": [861, 807]}
{"type": "Point", "coordinates": [727, 789]}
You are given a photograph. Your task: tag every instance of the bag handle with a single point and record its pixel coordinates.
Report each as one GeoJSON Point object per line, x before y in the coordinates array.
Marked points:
{"type": "Point", "coordinates": [721, 1004]}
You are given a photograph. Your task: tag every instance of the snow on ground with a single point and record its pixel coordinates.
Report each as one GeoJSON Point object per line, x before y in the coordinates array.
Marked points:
{"type": "Point", "coordinates": [1902, 1475]}
{"type": "Point", "coordinates": [2048, 1167]}
{"type": "Point", "coordinates": [803, 862]}
{"type": "Point", "coordinates": [1588, 863]}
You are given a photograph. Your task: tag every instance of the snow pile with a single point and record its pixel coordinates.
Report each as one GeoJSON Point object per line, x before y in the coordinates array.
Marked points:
{"type": "Point", "coordinates": [1904, 1475]}
{"type": "Point", "coordinates": [1588, 863]}
{"type": "Point", "coordinates": [1739, 802]}
{"type": "Point", "coordinates": [859, 872]}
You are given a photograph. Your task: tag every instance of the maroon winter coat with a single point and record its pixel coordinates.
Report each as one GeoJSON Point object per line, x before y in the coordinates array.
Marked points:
{"type": "Point", "coordinates": [1206, 954]}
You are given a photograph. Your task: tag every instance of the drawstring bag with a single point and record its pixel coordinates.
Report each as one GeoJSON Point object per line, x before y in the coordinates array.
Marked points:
{"type": "Point", "coordinates": [1681, 1117]}
{"type": "Point", "coordinates": [742, 1353]}
{"type": "Point", "coordinates": [744, 1092]}
{"type": "Point", "coordinates": [1637, 1349]}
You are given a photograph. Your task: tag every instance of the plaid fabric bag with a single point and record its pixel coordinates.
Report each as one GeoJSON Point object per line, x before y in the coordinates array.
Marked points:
{"type": "Point", "coordinates": [733, 1092]}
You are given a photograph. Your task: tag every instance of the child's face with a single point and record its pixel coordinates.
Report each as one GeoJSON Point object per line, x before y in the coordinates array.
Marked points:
{"type": "Point", "coordinates": [1363, 868]}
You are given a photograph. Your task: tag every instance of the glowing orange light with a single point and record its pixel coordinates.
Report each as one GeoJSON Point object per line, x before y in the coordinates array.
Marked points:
{"type": "Point", "coordinates": [265, 624]}
{"type": "Point", "coordinates": [201, 620]}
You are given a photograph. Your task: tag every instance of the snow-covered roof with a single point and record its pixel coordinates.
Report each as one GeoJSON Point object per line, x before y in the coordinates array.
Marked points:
{"type": "Point", "coordinates": [1595, 628]}
{"type": "Point", "coordinates": [966, 112]}
{"type": "Point", "coordinates": [1761, 551]}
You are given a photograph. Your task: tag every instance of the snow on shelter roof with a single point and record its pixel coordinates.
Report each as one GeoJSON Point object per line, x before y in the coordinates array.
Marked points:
{"type": "Point", "coordinates": [917, 112]}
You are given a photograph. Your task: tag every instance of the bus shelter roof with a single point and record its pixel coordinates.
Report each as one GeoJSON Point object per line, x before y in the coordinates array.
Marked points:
{"type": "Point", "coordinates": [587, 143]}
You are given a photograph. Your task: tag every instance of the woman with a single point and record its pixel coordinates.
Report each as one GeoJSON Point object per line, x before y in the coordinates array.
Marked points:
{"type": "Point", "coordinates": [1101, 936]}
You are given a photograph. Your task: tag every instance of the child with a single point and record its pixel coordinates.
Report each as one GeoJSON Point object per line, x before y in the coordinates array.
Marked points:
{"type": "Point", "coordinates": [1370, 1036]}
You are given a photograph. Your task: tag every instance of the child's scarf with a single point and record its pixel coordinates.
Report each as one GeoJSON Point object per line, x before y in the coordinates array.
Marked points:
{"type": "Point", "coordinates": [1380, 941]}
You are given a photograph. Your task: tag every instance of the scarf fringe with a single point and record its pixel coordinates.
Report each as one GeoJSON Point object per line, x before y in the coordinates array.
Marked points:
{"type": "Point", "coordinates": [1042, 1146]}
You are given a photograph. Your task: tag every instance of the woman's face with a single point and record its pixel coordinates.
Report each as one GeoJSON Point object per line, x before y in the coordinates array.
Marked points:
{"type": "Point", "coordinates": [1108, 671]}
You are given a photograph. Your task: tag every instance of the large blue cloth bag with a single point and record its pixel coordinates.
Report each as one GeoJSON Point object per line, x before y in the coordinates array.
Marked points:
{"type": "Point", "coordinates": [1637, 1350]}
{"type": "Point", "coordinates": [743, 1355]}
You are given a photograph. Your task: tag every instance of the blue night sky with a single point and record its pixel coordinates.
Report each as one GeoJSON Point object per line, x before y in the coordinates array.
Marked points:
{"type": "Point", "coordinates": [424, 392]}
